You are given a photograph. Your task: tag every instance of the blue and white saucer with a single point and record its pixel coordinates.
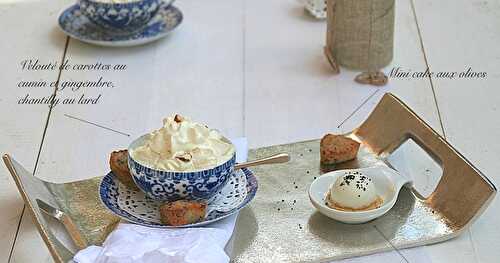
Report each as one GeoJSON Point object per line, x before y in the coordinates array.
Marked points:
{"type": "Point", "coordinates": [76, 25]}
{"type": "Point", "coordinates": [136, 207]}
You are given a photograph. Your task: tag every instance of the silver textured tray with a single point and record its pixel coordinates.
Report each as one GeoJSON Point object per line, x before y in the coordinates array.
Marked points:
{"type": "Point", "coordinates": [281, 225]}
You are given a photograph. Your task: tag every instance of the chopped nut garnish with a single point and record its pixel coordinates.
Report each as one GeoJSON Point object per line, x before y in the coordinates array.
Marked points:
{"type": "Point", "coordinates": [178, 118]}
{"type": "Point", "coordinates": [185, 157]}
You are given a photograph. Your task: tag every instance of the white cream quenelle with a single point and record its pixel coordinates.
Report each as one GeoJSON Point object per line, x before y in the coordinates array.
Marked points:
{"type": "Point", "coordinates": [183, 145]}
{"type": "Point", "coordinates": [353, 191]}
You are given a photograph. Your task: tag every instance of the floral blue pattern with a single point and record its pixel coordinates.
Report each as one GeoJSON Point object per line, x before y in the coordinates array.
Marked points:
{"type": "Point", "coordinates": [121, 17]}
{"type": "Point", "coordinates": [137, 208]}
{"type": "Point", "coordinates": [171, 186]}
{"type": "Point", "coordinates": [78, 26]}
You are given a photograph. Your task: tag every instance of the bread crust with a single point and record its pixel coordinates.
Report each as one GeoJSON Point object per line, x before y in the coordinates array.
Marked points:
{"type": "Point", "coordinates": [337, 148]}
{"type": "Point", "coordinates": [118, 162]}
{"type": "Point", "coordinates": [182, 212]}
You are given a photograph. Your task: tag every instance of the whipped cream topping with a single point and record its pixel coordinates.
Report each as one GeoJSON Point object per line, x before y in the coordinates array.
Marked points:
{"type": "Point", "coordinates": [183, 145]}
{"type": "Point", "coordinates": [353, 190]}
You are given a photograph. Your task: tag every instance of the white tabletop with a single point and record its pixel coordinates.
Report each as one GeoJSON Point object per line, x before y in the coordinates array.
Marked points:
{"type": "Point", "coordinates": [250, 68]}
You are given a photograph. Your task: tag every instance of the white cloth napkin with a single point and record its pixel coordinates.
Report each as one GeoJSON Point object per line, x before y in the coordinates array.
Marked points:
{"type": "Point", "coordinates": [130, 243]}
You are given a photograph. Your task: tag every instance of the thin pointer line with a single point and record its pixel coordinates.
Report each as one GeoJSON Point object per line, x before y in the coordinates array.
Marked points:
{"type": "Point", "coordinates": [95, 124]}
{"type": "Point", "coordinates": [395, 249]}
{"type": "Point", "coordinates": [359, 107]}
{"type": "Point", "coordinates": [422, 47]}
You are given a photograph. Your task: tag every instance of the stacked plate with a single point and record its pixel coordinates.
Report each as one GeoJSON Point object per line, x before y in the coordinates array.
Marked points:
{"type": "Point", "coordinates": [134, 206]}
{"type": "Point", "coordinates": [120, 22]}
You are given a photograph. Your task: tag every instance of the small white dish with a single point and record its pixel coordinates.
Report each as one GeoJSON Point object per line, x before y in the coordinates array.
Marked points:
{"type": "Point", "coordinates": [388, 183]}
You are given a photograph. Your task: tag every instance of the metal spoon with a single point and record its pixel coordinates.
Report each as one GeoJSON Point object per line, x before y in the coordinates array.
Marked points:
{"type": "Point", "coordinates": [273, 159]}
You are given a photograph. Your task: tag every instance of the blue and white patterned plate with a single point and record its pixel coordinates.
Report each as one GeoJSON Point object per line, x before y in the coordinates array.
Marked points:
{"type": "Point", "coordinates": [76, 25]}
{"type": "Point", "coordinates": [136, 207]}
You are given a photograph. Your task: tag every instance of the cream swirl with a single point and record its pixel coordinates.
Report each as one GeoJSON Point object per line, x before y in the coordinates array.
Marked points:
{"type": "Point", "coordinates": [183, 145]}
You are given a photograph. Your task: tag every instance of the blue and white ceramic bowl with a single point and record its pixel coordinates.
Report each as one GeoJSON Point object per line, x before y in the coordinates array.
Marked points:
{"type": "Point", "coordinates": [121, 16]}
{"type": "Point", "coordinates": [175, 185]}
